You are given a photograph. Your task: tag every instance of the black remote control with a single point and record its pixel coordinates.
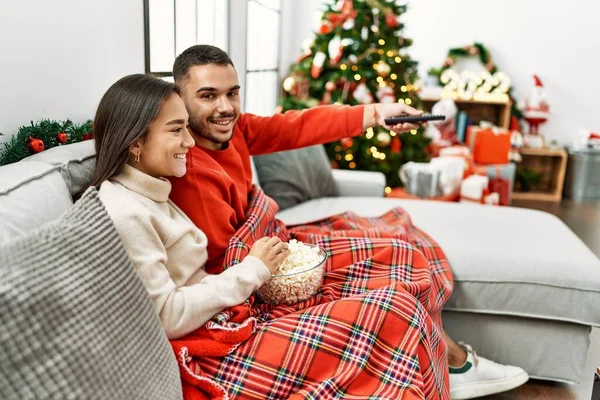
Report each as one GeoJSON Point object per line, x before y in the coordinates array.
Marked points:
{"type": "Point", "coordinates": [413, 119]}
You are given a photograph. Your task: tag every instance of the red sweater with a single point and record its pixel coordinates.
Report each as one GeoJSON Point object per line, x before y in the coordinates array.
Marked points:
{"type": "Point", "coordinates": [214, 192]}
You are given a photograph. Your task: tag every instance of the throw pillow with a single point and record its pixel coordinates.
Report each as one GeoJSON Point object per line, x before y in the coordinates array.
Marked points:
{"type": "Point", "coordinates": [295, 176]}
{"type": "Point", "coordinates": [75, 320]}
{"type": "Point", "coordinates": [77, 162]}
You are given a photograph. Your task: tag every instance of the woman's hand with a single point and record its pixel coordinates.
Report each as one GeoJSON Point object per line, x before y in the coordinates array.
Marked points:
{"type": "Point", "coordinates": [271, 251]}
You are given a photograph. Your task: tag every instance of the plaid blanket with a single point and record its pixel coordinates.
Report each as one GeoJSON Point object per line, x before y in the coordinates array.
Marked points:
{"type": "Point", "coordinates": [372, 331]}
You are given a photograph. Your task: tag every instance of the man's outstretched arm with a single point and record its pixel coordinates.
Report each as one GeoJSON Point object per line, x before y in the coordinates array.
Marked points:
{"type": "Point", "coordinates": [318, 125]}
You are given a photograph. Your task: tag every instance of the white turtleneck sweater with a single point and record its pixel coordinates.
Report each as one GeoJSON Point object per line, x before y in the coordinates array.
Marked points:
{"type": "Point", "coordinates": [169, 252]}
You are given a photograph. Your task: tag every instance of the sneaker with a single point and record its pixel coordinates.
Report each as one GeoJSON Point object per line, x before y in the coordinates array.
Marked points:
{"type": "Point", "coordinates": [482, 377]}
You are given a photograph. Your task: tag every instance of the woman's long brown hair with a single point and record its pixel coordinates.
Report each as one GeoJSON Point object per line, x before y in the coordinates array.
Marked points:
{"type": "Point", "coordinates": [124, 114]}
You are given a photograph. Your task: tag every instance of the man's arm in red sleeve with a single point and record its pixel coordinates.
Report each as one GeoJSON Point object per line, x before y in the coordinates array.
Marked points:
{"type": "Point", "coordinates": [296, 129]}
{"type": "Point", "coordinates": [203, 196]}
{"type": "Point", "coordinates": [318, 125]}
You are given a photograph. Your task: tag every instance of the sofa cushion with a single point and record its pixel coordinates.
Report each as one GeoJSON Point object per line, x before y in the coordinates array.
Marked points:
{"type": "Point", "coordinates": [76, 162]}
{"type": "Point", "coordinates": [292, 177]}
{"type": "Point", "coordinates": [505, 260]}
{"type": "Point", "coordinates": [75, 320]}
{"type": "Point", "coordinates": [30, 194]}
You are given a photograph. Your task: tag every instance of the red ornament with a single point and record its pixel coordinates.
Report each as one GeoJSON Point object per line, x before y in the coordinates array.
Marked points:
{"type": "Point", "coordinates": [88, 136]}
{"type": "Point", "coordinates": [61, 137]}
{"type": "Point", "coordinates": [347, 142]}
{"type": "Point", "coordinates": [325, 29]}
{"type": "Point", "coordinates": [391, 21]}
{"type": "Point", "coordinates": [396, 145]}
{"type": "Point", "coordinates": [335, 19]}
{"type": "Point", "coordinates": [35, 145]}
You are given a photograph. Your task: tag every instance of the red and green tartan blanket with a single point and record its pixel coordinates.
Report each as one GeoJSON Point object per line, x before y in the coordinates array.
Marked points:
{"type": "Point", "coordinates": [372, 331]}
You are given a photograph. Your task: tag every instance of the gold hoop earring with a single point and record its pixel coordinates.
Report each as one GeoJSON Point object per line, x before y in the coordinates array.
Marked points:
{"type": "Point", "coordinates": [137, 157]}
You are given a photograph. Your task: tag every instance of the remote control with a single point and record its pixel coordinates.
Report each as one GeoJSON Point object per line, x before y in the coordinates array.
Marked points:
{"type": "Point", "coordinates": [413, 119]}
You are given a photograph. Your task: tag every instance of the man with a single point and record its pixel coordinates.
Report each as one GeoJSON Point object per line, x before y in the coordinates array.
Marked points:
{"type": "Point", "coordinates": [214, 193]}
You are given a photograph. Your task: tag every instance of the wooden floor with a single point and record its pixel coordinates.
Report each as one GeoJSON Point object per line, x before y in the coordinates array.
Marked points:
{"type": "Point", "coordinates": [584, 219]}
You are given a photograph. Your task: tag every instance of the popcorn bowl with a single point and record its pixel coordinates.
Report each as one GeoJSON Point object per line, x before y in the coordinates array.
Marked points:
{"type": "Point", "coordinates": [298, 284]}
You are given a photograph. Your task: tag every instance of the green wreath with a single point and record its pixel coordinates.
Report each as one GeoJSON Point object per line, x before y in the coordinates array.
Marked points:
{"type": "Point", "coordinates": [474, 50]}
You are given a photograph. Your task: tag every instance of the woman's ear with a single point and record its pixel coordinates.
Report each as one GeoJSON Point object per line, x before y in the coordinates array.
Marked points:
{"type": "Point", "coordinates": [136, 150]}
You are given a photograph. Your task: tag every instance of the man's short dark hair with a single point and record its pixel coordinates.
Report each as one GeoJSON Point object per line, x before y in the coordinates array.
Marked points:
{"type": "Point", "coordinates": [200, 54]}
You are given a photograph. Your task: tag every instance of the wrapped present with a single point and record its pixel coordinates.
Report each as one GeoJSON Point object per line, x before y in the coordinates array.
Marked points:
{"type": "Point", "coordinates": [463, 152]}
{"type": "Point", "coordinates": [501, 179]}
{"type": "Point", "coordinates": [474, 188]}
{"type": "Point", "coordinates": [452, 170]}
{"type": "Point", "coordinates": [421, 179]}
{"type": "Point", "coordinates": [490, 145]}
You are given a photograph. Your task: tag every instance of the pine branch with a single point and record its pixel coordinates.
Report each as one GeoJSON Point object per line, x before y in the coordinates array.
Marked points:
{"type": "Point", "coordinates": [17, 147]}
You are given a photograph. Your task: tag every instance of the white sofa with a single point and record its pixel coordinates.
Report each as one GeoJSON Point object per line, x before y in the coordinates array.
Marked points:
{"type": "Point", "coordinates": [527, 290]}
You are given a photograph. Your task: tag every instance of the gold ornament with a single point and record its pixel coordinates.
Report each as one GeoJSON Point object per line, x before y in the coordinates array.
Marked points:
{"type": "Point", "coordinates": [383, 69]}
{"type": "Point", "coordinates": [384, 139]}
{"type": "Point", "coordinates": [289, 83]}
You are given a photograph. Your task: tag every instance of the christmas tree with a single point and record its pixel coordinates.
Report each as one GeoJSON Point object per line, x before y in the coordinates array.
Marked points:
{"type": "Point", "coordinates": [358, 57]}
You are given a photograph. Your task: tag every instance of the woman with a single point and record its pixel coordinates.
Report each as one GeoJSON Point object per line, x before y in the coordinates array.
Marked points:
{"type": "Point", "coordinates": [141, 138]}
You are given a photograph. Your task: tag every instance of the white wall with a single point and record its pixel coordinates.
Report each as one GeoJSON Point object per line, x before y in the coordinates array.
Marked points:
{"type": "Point", "coordinates": [557, 41]}
{"type": "Point", "coordinates": [299, 20]}
{"type": "Point", "coordinates": [58, 57]}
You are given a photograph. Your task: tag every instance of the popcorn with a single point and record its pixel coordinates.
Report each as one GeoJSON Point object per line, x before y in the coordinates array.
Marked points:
{"type": "Point", "coordinates": [298, 277]}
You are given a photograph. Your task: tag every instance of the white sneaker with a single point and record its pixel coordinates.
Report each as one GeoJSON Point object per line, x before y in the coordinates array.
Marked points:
{"type": "Point", "coordinates": [482, 377]}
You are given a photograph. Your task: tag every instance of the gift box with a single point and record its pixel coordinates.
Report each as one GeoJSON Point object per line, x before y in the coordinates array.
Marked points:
{"type": "Point", "coordinates": [452, 171]}
{"type": "Point", "coordinates": [501, 179]}
{"type": "Point", "coordinates": [490, 145]}
{"type": "Point", "coordinates": [462, 152]}
{"type": "Point", "coordinates": [421, 179]}
{"type": "Point", "coordinates": [474, 188]}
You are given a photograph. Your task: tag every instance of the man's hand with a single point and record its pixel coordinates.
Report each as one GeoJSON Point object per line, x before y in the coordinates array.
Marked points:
{"type": "Point", "coordinates": [376, 113]}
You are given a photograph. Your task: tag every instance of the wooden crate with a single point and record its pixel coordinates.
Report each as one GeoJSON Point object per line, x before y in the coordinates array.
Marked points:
{"type": "Point", "coordinates": [551, 164]}
{"type": "Point", "coordinates": [497, 113]}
